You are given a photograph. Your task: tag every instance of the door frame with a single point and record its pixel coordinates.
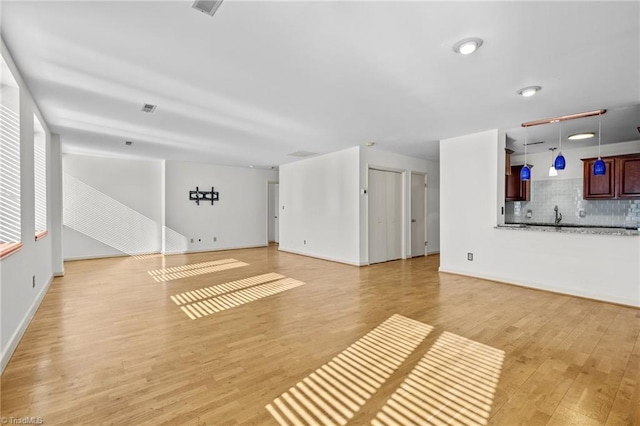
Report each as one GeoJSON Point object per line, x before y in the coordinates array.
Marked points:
{"type": "Point", "coordinates": [426, 233]}
{"type": "Point", "coordinates": [403, 225]}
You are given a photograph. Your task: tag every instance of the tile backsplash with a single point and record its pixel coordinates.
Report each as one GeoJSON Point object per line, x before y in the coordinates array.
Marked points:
{"type": "Point", "coordinates": [567, 195]}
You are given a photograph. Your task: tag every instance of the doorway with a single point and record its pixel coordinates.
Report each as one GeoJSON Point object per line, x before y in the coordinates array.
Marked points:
{"type": "Point", "coordinates": [418, 214]}
{"type": "Point", "coordinates": [385, 215]}
{"type": "Point", "coordinates": [273, 225]}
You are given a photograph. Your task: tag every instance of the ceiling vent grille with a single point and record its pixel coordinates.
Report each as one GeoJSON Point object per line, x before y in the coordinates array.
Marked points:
{"type": "Point", "coordinates": [533, 143]}
{"type": "Point", "coordinates": [303, 154]}
{"type": "Point", "coordinates": [149, 107]}
{"type": "Point", "coordinates": [207, 6]}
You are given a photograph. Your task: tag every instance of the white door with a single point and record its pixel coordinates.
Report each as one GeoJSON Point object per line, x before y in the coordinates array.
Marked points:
{"type": "Point", "coordinates": [394, 215]}
{"type": "Point", "coordinates": [385, 215]}
{"type": "Point", "coordinates": [276, 213]}
{"type": "Point", "coordinates": [418, 216]}
{"type": "Point", "coordinates": [272, 213]}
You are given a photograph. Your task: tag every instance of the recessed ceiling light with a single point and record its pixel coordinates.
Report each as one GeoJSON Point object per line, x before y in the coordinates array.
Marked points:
{"type": "Point", "coordinates": [578, 136]}
{"type": "Point", "coordinates": [467, 46]}
{"type": "Point", "coordinates": [529, 91]}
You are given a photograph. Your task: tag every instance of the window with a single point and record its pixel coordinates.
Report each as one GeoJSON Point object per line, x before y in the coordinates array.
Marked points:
{"type": "Point", "coordinates": [40, 177]}
{"type": "Point", "coordinates": [10, 222]}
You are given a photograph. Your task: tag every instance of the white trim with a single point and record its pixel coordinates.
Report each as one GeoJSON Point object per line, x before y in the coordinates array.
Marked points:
{"type": "Point", "coordinates": [331, 259]}
{"type": "Point", "coordinates": [600, 297]}
{"type": "Point", "coordinates": [214, 249]}
{"type": "Point", "coordinates": [103, 256]}
{"type": "Point", "coordinates": [19, 333]}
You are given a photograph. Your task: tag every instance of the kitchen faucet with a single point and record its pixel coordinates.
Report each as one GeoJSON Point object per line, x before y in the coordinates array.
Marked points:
{"type": "Point", "coordinates": [558, 215]}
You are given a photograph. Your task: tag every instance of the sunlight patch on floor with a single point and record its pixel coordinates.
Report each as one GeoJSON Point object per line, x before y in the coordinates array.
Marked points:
{"type": "Point", "coordinates": [236, 298]}
{"type": "Point", "coordinates": [147, 256]}
{"type": "Point", "coordinates": [216, 290]}
{"type": "Point", "coordinates": [194, 269]}
{"type": "Point", "coordinates": [453, 384]}
{"type": "Point", "coordinates": [334, 393]}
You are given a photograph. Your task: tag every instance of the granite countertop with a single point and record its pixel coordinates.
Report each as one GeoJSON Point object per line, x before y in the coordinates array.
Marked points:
{"type": "Point", "coordinates": [570, 229]}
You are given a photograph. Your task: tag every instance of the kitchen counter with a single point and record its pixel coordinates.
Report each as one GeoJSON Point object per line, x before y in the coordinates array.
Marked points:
{"type": "Point", "coordinates": [569, 229]}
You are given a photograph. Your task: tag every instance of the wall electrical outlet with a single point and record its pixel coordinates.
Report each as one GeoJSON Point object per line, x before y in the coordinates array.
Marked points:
{"type": "Point", "coordinates": [470, 257]}
{"type": "Point", "coordinates": [215, 239]}
{"type": "Point", "coordinates": [305, 241]}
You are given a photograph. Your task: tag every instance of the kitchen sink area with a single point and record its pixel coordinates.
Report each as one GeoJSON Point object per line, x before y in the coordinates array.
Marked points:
{"type": "Point", "coordinates": [571, 228]}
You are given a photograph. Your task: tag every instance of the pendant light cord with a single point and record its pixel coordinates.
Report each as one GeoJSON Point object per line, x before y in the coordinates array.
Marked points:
{"type": "Point", "coordinates": [599, 132]}
{"type": "Point", "coordinates": [526, 133]}
{"type": "Point", "coordinates": [560, 138]}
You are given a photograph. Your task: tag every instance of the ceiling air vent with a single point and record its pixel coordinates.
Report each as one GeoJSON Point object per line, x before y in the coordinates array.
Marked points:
{"type": "Point", "coordinates": [533, 143]}
{"type": "Point", "coordinates": [207, 6]}
{"type": "Point", "coordinates": [303, 154]}
{"type": "Point", "coordinates": [149, 107]}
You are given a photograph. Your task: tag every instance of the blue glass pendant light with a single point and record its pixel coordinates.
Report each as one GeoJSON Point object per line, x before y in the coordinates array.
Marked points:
{"type": "Point", "coordinates": [599, 167]}
{"type": "Point", "coordinates": [525, 172]}
{"type": "Point", "coordinates": [560, 163]}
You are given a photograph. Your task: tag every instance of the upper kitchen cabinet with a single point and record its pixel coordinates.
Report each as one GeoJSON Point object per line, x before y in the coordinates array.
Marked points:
{"type": "Point", "coordinates": [620, 181]}
{"type": "Point", "coordinates": [515, 189]}
{"type": "Point", "coordinates": [628, 176]}
{"type": "Point", "coordinates": [599, 187]}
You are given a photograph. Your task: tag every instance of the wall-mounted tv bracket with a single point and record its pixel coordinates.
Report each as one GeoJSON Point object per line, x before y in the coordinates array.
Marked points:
{"type": "Point", "coordinates": [198, 196]}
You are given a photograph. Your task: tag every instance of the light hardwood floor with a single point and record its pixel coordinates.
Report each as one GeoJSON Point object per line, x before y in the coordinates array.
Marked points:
{"type": "Point", "coordinates": [110, 346]}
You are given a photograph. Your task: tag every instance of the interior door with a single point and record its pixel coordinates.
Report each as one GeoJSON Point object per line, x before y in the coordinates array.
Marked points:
{"type": "Point", "coordinates": [394, 215]}
{"type": "Point", "coordinates": [418, 216]}
{"type": "Point", "coordinates": [377, 216]}
{"type": "Point", "coordinates": [385, 215]}
{"type": "Point", "coordinates": [276, 213]}
{"type": "Point", "coordinates": [272, 213]}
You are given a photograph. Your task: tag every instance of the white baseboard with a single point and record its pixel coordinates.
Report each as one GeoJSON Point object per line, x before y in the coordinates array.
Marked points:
{"type": "Point", "coordinates": [215, 249]}
{"type": "Point", "coordinates": [17, 335]}
{"type": "Point", "coordinates": [102, 256]}
{"type": "Point", "coordinates": [551, 289]}
{"type": "Point", "coordinates": [331, 259]}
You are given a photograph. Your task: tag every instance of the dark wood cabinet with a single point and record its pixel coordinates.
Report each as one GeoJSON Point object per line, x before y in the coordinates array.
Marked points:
{"type": "Point", "coordinates": [621, 180]}
{"type": "Point", "coordinates": [628, 176]}
{"type": "Point", "coordinates": [515, 189]}
{"type": "Point", "coordinates": [598, 187]}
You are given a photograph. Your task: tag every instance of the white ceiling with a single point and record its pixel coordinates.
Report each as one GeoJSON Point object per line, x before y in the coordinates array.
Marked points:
{"type": "Point", "coordinates": [260, 80]}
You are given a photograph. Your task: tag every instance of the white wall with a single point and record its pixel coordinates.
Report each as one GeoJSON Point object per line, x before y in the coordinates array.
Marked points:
{"type": "Point", "coordinates": [471, 175]}
{"type": "Point", "coordinates": [111, 206]}
{"type": "Point", "coordinates": [238, 220]}
{"type": "Point", "coordinates": [321, 201]}
{"type": "Point", "coordinates": [375, 158]}
{"type": "Point", "coordinates": [19, 298]}
{"type": "Point", "coordinates": [325, 206]}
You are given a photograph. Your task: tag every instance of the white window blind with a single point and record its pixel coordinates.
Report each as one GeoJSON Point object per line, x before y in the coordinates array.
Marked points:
{"type": "Point", "coordinates": [40, 175]}
{"type": "Point", "coordinates": [9, 173]}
